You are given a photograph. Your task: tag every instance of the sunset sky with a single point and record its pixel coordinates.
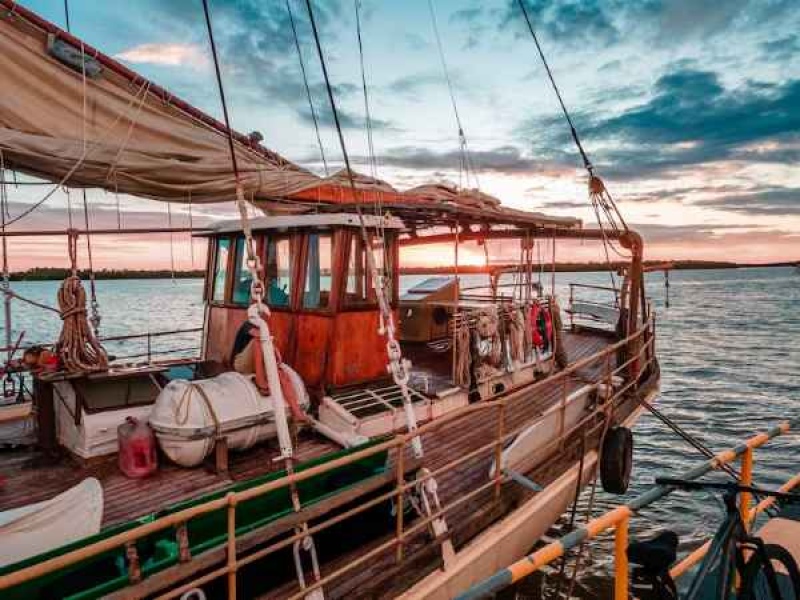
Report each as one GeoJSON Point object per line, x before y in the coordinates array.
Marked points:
{"type": "Point", "coordinates": [690, 110]}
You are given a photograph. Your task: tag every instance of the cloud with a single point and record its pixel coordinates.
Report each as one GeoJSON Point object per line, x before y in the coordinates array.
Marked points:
{"type": "Point", "coordinates": [172, 55]}
{"type": "Point", "coordinates": [687, 233]}
{"type": "Point", "coordinates": [347, 119]}
{"type": "Point", "coordinates": [508, 160]}
{"type": "Point", "coordinates": [573, 22]}
{"type": "Point", "coordinates": [257, 50]}
{"type": "Point", "coordinates": [689, 118]}
{"type": "Point", "coordinates": [767, 201]}
{"type": "Point", "coordinates": [412, 86]}
{"type": "Point", "coordinates": [784, 48]}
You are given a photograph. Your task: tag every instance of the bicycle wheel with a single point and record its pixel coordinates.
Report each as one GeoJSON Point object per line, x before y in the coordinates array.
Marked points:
{"type": "Point", "coordinates": [755, 582]}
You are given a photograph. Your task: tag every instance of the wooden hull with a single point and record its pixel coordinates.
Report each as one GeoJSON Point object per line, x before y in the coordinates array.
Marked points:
{"type": "Point", "coordinates": [513, 536]}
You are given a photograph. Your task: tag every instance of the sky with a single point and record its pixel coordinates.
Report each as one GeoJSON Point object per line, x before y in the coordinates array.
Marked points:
{"type": "Point", "coordinates": [689, 109]}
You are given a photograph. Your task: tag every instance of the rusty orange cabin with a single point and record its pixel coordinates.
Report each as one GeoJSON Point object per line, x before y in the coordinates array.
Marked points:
{"type": "Point", "coordinates": [325, 319]}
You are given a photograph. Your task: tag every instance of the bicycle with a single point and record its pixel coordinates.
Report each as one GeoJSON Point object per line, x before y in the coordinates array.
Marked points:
{"type": "Point", "coordinates": [766, 571]}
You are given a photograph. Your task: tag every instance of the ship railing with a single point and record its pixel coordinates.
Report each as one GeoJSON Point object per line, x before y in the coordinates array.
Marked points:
{"type": "Point", "coordinates": [151, 351]}
{"type": "Point", "coordinates": [148, 353]}
{"type": "Point", "coordinates": [618, 519]}
{"type": "Point", "coordinates": [505, 411]}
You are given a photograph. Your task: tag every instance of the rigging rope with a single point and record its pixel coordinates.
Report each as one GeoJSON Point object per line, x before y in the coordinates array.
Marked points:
{"type": "Point", "coordinates": [398, 366]}
{"type": "Point", "coordinates": [367, 115]}
{"type": "Point", "coordinates": [171, 242]}
{"type": "Point", "coordinates": [256, 313]}
{"type": "Point", "coordinates": [5, 285]}
{"type": "Point", "coordinates": [307, 87]}
{"type": "Point", "coordinates": [95, 318]}
{"type": "Point", "coordinates": [81, 159]}
{"type": "Point", "coordinates": [66, 15]}
{"type": "Point", "coordinates": [372, 157]}
{"type": "Point", "coordinates": [572, 129]}
{"type": "Point", "coordinates": [464, 154]}
{"type": "Point", "coordinates": [191, 230]}
{"type": "Point", "coordinates": [598, 193]}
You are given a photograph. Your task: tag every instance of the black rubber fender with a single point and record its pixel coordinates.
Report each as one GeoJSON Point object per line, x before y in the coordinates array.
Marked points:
{"type": "Point", "coordinates": [616, 461]}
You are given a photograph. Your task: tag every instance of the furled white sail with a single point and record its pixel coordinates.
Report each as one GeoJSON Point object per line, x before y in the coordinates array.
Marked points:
{"type": "Point", "coordinates": [84, 119]}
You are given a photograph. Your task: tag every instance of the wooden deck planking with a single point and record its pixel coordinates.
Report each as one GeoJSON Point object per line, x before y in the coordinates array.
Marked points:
{"type": "Point", "coordinates": [382, 576]}
{"type": "Point", "coordinates": [126, 499]}
{"type": "Point", "coordinates": [28, 481]}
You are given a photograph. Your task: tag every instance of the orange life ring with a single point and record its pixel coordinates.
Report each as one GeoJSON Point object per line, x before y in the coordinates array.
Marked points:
{"type": "Point", "coordinates": [536, 335]}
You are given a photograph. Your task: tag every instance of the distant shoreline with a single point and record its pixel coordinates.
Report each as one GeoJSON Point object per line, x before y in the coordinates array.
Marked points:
{"type": "Point", "coordinates": [676, 265]}
{"type": "Point", "coordinates": [58, 274]}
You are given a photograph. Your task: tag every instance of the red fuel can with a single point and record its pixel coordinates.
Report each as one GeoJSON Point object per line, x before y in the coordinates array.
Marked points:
{"type": "Point", "coordinates": [137, 448]}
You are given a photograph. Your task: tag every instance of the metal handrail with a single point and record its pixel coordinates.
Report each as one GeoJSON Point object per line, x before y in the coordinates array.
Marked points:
{"type": "Point", "coordinates": [398, 444]}
{"type": "Point", "coordinates": [119, 338]}
{"type": "Point", "coordinates": [149, 334]}
{"type": "Point", "coordinates": [617, 519]}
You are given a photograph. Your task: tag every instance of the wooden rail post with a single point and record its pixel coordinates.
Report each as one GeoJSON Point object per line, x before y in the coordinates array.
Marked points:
{"type": "Point", "coordinates": [182, 534]}
{"type": "Point", "coordinates": [563, 412]}
{"type": "Point", "coordinates": [621, 560]}
{"type": "Point", "coordinates": [232, 564]}
{"type": "Point", "coordinates": [746, 478]}
{"type": "Point", "coordinates": [498, 451]}
{"type": "Point", "coordinates": [571, 302]}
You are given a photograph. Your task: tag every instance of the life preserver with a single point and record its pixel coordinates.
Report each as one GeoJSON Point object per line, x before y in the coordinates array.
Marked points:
{"type": "Point", "coordinates": [536, 334]}
{"type": "Point", "coordinates": [288, 385]}
{"type": "Point", "coordinates": [548, 327]}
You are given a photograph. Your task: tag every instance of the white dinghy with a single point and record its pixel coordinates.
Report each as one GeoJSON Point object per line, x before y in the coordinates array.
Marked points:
{"type": "Point", "coordinates": [37, 528]}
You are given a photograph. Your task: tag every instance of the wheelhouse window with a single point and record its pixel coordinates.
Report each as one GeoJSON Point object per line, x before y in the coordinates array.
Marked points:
{"type": "Point", "coordinates": [278, 272]}
{"type": "Point", "coordinates": [359, 289]}
{"type": "Point", "coordinates": [317, 291]}
{"type": "Point", "coordinates": [243, 279]}
{"type": "Point", "coordinates": [221, 269]}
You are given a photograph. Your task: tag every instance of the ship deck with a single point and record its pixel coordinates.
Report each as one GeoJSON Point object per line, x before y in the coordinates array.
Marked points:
{"type": "Point", "coordinates": [30, 478]}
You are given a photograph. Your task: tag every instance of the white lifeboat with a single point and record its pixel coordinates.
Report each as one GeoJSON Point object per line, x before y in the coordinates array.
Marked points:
{"type": "Point", "coordinates": [189, 416]}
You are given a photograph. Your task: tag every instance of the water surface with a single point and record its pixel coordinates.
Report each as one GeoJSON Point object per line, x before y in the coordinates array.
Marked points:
{"type": "Point", "coordinates": [729, 347]}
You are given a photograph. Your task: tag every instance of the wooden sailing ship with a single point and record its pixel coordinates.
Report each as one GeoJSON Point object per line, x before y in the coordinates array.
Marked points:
{"type": "Point", "coordinates": [415, 481]}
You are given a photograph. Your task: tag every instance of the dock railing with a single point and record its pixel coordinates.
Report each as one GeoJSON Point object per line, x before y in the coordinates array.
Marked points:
{"type": "Point", "coordinates": [617, 520]}
{"type": "Point", "coordinates": [512, 414]}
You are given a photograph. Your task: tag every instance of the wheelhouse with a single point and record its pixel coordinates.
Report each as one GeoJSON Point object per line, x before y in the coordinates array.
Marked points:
{"type": "Point", "coordinates": [324, 311]}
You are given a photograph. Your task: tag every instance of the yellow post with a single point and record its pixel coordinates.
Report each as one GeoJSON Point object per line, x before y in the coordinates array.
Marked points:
{"type": "Point", "coordinates": [746, 478]}
{"type": "Point", "coordinates": [621, 560]}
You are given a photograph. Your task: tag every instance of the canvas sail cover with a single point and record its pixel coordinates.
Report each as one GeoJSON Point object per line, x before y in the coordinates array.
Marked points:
{"type": "Point", "coordinates": [76, 117]}
{"type": "Point", "coordinates": [115, 130]}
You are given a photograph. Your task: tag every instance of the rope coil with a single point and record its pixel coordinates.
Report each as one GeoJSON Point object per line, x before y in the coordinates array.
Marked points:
{"type": "Point", "coordinates": [78, 348]}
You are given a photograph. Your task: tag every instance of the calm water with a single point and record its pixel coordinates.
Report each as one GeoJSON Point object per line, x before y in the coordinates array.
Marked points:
{"type": "Point", "coordinates": [729, 347]}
